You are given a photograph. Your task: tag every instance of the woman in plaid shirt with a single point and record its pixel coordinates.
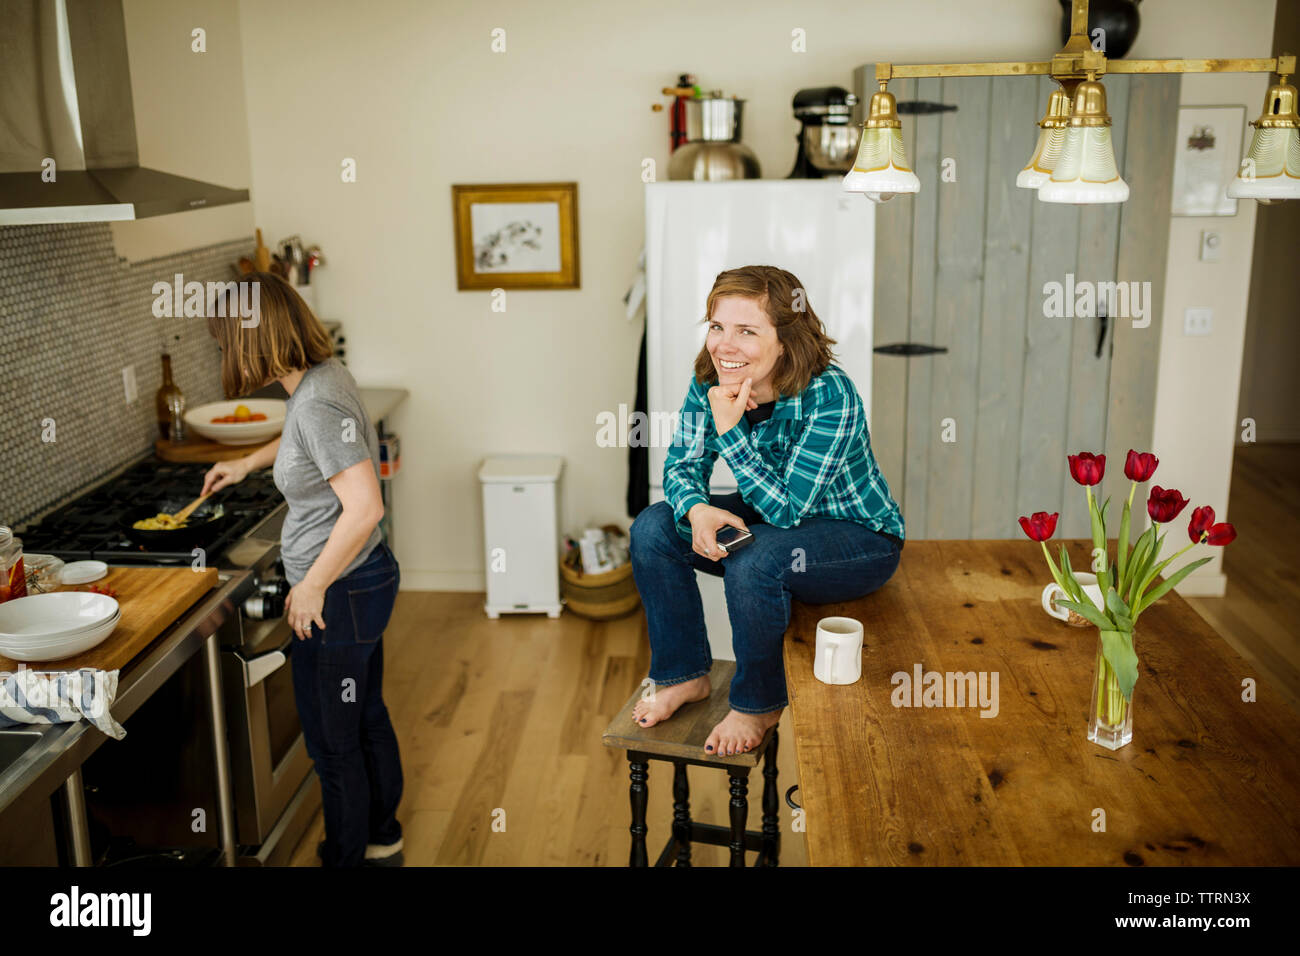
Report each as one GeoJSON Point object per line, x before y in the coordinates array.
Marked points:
{"type": "Point", "coordinates": [790, 425]}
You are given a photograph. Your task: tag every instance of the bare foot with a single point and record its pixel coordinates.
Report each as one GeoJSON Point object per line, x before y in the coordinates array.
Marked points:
{"type": "Point", "coordinates": [740, 733]}
{"type": "Point", "coordinates": [666, 700]}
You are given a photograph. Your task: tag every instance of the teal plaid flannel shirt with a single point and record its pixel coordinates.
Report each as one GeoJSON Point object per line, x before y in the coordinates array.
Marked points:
{"type": "Point", "coordinates": [812, 458]}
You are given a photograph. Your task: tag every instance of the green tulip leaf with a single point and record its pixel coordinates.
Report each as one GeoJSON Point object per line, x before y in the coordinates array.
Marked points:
{"type": "Point", "coordinates": [1073, 591]}
{"type": "Point", "coordinates": [1098, 528]}
{"type": "Point", "coordinates": [1137, 566]}
{"type": "Point", "coordinates": [1168, 583]}
{"type": "Point", "coordinates": [1151, 573]}
{"type": "Point", "coordinates": [1099, 542]}
{"type": "Point", "coordinates": [1085, 609]}
{"type": "Point", "coordinates": [1119, 610]}
{"type": "Point", "coordinates": [1121, 550]}
{"type": "Point", "coordinates": [1117, 648]}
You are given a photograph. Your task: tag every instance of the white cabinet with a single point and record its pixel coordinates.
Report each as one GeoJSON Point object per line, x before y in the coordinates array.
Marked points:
{"type": "Point", "coordinates": [521, 532]}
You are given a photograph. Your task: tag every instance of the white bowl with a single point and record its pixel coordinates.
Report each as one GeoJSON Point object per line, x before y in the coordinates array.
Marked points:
{"type": "Point", "coordinates": [68, 647]}
{"type": "Point", "coordinates": [238, 433]}
{"type": "Point", "coordinates": [37, 638]}
{"type": "Point", "coordinates": [55, 614]}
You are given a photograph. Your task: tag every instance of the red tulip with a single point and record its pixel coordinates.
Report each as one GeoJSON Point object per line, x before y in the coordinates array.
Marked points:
{"type": "Point", "coordinates": [1041, 526]}
{"type": "Point", "coordinates": [1087, 468]}
{"type": "Point", "coordinates": [1140, 467]}
{"type": "Point", "coordinates": [1203, 528]}
{"type": "Point", "coordinates": [1165, 506]}
{"type": "Point", "coordinates": [1221, 534]}
{"type": "Point", "coordinates": [1202, 519]}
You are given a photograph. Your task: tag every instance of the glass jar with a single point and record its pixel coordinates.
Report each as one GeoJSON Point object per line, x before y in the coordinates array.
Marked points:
{"type": "Point", "coordinates": [13, 579]}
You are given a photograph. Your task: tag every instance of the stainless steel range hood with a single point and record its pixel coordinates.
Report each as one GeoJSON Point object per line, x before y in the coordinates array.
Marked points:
{"type": "Point", "coordinates": [65, 97]}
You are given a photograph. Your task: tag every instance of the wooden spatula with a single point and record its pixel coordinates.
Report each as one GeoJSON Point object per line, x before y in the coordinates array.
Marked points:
{"type": "Point", "coordinates": [188, 510]}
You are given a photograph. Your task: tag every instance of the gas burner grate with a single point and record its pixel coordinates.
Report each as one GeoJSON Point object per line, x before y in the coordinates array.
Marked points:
{"type": "Point", "coordinates": [88, 526]}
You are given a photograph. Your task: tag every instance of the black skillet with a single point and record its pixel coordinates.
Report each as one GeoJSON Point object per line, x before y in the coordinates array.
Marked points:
{"type": "Point", "coordinates": [201, 528]}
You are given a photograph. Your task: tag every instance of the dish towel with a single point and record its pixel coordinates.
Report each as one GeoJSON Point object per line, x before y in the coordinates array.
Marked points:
{"type": "Point", "coordinates": [35, 697]}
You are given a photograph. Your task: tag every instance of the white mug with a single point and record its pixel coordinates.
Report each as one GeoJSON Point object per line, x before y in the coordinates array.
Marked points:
{"type": "Point", "coordinates": [1052, 593]}
{"type": "Point", "coordinates": [838, 657]}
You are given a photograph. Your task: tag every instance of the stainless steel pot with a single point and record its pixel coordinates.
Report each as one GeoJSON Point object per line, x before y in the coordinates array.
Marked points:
{"type": "Point", "coordinates": [713, 150]}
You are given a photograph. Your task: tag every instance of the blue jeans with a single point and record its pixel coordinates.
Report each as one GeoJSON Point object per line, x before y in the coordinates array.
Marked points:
{"type": "Point", "coordinates": [820, 561]}
{"type": "Point", "coordinates": [338, 676]}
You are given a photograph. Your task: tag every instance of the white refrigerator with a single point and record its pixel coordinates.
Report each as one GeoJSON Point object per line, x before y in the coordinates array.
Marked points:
{"type": "Point", "coordinates": [694, 230]}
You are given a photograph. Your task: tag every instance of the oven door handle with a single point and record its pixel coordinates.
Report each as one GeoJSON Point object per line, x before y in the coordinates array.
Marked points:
{"type": "Point", "coordinates": [261, 666]}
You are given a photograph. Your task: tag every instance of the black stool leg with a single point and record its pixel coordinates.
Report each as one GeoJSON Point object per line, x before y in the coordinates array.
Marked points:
{"type": "Point", "coordinates": [639, 794]}
{"type": "Point", "coordinates": [771, 822]}
{"type": "Point", "coordinates": [739, 813]}
{"type": "Point", "coordinates": [681, 814]}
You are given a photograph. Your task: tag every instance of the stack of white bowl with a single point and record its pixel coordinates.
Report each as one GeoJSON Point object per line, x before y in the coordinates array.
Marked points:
{"type": "Point", "coordinates": [50, 627]}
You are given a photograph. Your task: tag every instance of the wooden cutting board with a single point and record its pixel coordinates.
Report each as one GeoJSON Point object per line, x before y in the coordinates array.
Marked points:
{"type": "Point", "coordinates": [199, 449]}
{"type": "Point", "coordinates": [151, 600]}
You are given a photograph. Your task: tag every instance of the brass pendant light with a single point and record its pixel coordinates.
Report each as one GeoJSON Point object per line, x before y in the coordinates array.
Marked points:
{"type": "Point", "coordinates": [1085, 171]}
{"type": "Point", "coordinates": [1074, 158]}
{"type": "Point", "coordinates": [881, 170]}
{"type": "Point", "coordinates": [1271, 170]}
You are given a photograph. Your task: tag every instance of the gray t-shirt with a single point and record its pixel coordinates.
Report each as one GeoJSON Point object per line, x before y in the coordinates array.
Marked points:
{"type": "Point", "coordinates": [325, 431]}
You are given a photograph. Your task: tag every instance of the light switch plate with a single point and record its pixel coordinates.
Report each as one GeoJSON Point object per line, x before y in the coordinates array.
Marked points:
{"type": "Point", "coordinates": [1210, 244]}
{"type": "Point", "coordinates": [128, 384]}
{"type": "Point", "coordinates": [1198, 321]}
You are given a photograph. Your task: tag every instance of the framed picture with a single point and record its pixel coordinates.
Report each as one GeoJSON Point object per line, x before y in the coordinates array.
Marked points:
{"type": "Point", "coordinates": [1211, 143]}
{"type": "Point", "coordinates": [516, 236]}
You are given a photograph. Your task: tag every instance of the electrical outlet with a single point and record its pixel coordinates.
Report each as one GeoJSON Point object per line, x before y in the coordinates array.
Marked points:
{"type": "Point", "coordinates": [1210, 243]}
{"type": "Point", "coordinates": [1198, 321]}
{"type": "Point", "coordinates": [128, 384]}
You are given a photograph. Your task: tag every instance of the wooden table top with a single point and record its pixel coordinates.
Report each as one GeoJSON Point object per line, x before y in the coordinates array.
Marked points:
{"type": "Point", "coordinates": [1208, 779]}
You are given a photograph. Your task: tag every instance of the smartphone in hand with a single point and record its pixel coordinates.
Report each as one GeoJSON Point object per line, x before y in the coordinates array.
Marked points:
{"type": "Point", "coordinates": [732, 539]}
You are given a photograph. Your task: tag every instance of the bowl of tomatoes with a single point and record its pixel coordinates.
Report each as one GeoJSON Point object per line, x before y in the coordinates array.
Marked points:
{"type": "Point", "coordinates": [246, 421]}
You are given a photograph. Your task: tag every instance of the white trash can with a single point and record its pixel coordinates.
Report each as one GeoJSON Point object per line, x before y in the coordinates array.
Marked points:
{"type": "Point", "coordinates": [521, 532]}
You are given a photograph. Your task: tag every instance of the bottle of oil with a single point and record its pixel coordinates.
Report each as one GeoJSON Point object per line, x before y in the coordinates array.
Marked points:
{"type": "Point", "coordinates": [170, 404]}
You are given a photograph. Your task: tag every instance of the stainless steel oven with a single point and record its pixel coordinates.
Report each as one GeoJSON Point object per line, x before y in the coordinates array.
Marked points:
{"type": "Point", "coordinates": [274, 787]}
{"type": "Point", "coordinates": [143, 789]}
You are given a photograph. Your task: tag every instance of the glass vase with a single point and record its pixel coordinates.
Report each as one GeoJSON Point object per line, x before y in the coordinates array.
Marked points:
{"type": "Point", "coordinates": [1110, 719]}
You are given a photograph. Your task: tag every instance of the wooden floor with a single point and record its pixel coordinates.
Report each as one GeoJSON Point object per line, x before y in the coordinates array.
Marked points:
{"type": "Point", "coordinates": [1259, 615]}
{"type": "Point", "coordinates": [499, 725]}
{"type": "Point", "coordinates": [499, 722]}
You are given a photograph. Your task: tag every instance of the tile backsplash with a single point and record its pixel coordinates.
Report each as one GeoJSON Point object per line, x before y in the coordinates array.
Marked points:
{"type": "Point", "coordinates": [72, 316]}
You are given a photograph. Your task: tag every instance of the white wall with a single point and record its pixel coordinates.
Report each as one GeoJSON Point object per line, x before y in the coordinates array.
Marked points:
{"type": "Point", "coordinates": [1199, 378]}
{"type": "Point", "coordinates": [412, 91]}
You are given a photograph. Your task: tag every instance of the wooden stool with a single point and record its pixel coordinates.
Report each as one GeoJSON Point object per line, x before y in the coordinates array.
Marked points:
{"type": "Point", "coordinates": [680, 741]}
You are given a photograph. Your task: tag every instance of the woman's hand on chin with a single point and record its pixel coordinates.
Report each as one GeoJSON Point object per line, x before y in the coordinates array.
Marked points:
{"type": "Point", "coordinates": [705, 522]}
{"type": "Point", "coordinates": [728, 403]}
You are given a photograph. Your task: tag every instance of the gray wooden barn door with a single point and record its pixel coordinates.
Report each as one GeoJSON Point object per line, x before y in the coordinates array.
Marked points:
{"type": "Point", "coordinates": [963, 264]}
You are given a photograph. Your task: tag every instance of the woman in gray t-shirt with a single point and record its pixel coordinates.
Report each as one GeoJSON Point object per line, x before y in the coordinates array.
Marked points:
{"type": "Point", "coordinates": [343, 578]}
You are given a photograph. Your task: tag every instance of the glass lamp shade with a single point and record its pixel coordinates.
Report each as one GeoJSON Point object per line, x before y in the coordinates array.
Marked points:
{"type": "Point", "coordinates": [1085, 171]}
{"type": "Point", "coordinates": [1046, 154]}
{"type": "Point", "coordinates": [1051, 137]}
{"type": "Point", "coordinates": [1275, 152]}
{"type": "Point", "coordinates": [881, 169]}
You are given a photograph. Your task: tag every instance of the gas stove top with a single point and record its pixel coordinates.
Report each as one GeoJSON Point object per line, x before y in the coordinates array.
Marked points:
{"type": "Point", "coordinates": [88, 527]}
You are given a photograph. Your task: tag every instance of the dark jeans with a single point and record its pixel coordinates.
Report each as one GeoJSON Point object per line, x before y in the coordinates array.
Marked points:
{"type": "Point", "coordinates": [820, 561]}
{"type": "Point", "coordinates": [338, 676]}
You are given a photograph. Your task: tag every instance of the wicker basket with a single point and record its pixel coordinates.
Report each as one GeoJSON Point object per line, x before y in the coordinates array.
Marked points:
{"type": "Point", "coordinates": [602, 596]}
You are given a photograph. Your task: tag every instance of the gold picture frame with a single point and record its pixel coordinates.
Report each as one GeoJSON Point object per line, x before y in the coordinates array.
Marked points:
{"type": "Point", "coordinates": [516, 236]}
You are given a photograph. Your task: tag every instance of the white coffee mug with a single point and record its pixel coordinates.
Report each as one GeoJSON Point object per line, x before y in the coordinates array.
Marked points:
{"type": "Point", "coordinates": [838, 657]}
{"type": "Point", "coordinates": [1053, 593]}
